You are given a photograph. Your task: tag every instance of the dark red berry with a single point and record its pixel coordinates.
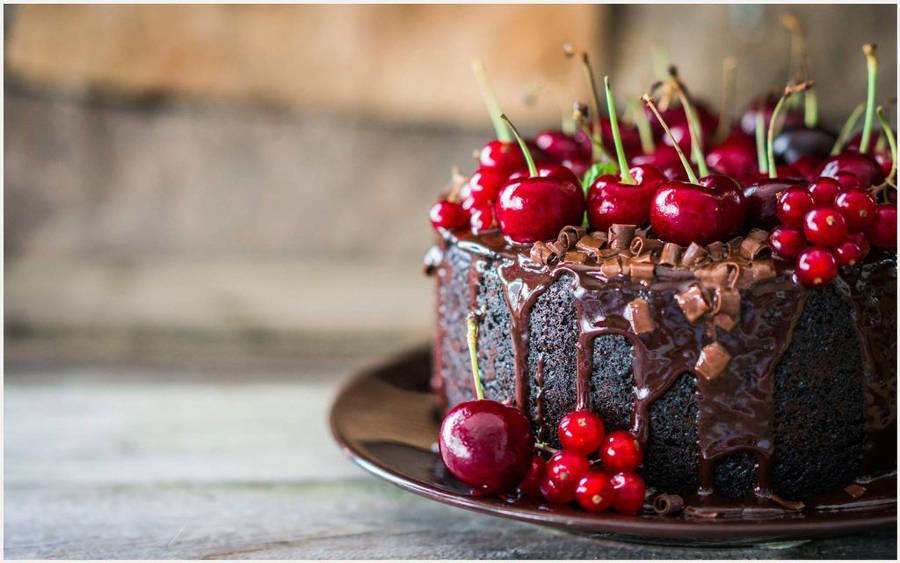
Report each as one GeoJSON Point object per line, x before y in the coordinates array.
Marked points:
{"type": "Point", "coordinates": [630, 489]}
{"type": "Point", "coordinates": [762, 200]}
{"type": "Point", "coordinates": [448, 215]}
{"type": "Point", "coordinates": [860, 240]}
{"type": "Point", "coordinates": [501, 157]}
{"type": "Point", "coordinates": [857, 207]}
{"type": "Point", "coordinates": [621, 452]}
{"type": "Point", "coordinates": [610, 201]}
{"type": "Point", "coordinates": [866, 169]}
{"type": "Point", "coordinates": [561, 476]}
{"type": "Point", "coordinates": [684, 213]}
{"type": "Point", "coordinates": [595, 492]}
{"type": "Point", "coordinates": [555, 491]}
{"type": "Point", "coordinates": [787, 242]}
{"type": "Point", "coordinates": [793, 205]}
{"type": "Point", "coordinates": [581, 432]}
{"type": "Point", "coordinates": [530, 485]}
{"type": "Point", "coordinates": [883, 231]}
{"type": "Point", "coordinates": [847, 253]}
{"type": "Point", "coordinates": [824, 190]}
{"type": "Point", "coordinates": [848, 181]}
{"type": "Point", "coordinates": [825, 227]}
{"type": "Point", "coordinates": [816, 266]}
{"type": "Point", "coordinates": [483, 187]}
{"type": "Point", "coordinates": [482, 217]}
{"type": "Point", "coordinates": [561, 147]}
{"type": "Point", "coordinates": [807, 166]}
{"type": "Point", "coordinates": [533, 209]}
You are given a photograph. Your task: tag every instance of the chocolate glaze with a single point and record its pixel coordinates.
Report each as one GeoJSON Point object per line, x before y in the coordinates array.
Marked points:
{"type": "Point", "coordinates": [735, 408]}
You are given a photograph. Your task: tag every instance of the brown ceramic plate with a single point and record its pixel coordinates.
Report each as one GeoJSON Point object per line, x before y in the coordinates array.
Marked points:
{"type": "Point", "coordinates": [385, 420]}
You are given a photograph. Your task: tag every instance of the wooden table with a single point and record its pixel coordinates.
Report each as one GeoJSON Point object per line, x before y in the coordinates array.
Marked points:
{"type": "Point", "coordinates": [236, 461]}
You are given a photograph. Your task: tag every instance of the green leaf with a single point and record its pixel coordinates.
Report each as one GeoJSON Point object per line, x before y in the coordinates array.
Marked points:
{"type": "Point", "coordinates": [596, 170]}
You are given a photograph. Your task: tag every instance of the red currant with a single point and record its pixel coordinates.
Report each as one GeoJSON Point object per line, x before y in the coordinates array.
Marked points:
{"type": "Point", "coordinates": [860, 240]}
{"type": "Point", "coordinates": [883, 231]}
{"type": "Point", "coordinates": [793, 204]}
{"type": "Point", "coordinates": [595, 492]}
{"type": "Point", "coordinates": [630, 489]}
{"type": "Point", "coordinates": [448, 215]}
{"type": "Point", "coordinates": [848, 180]}
{"type": "Point", "coordinates": [848, 253]}
{"type": "Point", "coordinates": [530, 485]}
{"type": "Point", "coordinates": [561, 476]}
{"type": "Point", "coordinates": [816, 266]}
{"type": "Point", "coordinates": [581, 432]}
{"type": "Point", "coordinates": [787, 242]}
{"type": "Point", "coordinates": [824, 190]}
{"type": "Point", "coordinates": [825, 227]}
{"type": "Point", "coordinates": [621, 451]}
{"type": "Point", "coordinates": [857, 207]}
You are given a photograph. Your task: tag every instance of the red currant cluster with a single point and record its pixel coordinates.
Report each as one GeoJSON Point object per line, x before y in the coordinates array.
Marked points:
{"type": "Point", "coordinates": [826, 224]}
{"type": "Point", "coordinates": [570, 475]}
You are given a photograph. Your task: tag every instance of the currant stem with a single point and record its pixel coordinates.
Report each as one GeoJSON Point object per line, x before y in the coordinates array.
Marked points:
{"type": "Point", "coordinates": [472, 340]}
{"type": "Point", "coordinates": [761, 143]}
{"type": "Point", "coordinates": [643, 126]}
{"type": "Point", "coordinates": [872, 76]}
{"type": "Point", "coordinates": [684, 161]}
{"type": "Point", "coordinates": [892, 142]}
{"type": "Point", "coordinates": [729, 71]}
{"type": "Point", "coordinates": [532, 169]}
{"type": "Point", "coordinates": [847, 129]}
{"type": "Point", "coordinates": [624, 172]}
{"type": "Point", "coordinates": [490, 101]}
{"type": "Point", "coordinates": [693, 124]}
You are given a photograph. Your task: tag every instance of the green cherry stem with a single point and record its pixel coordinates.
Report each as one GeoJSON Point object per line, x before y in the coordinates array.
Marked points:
{"type": "Point", "coordinates": [872, 76]}
{"type": "Point", "coordinates": [684, 161]}
{"type": "Point", "coordinates": [729, 71]}
{"type": "Point", "coordinates": [472, 341]}
{"type": "Point", "coordinates": [532, 169]}
{"type": "Point", "coordinates": [693, 124]}
{"type": "Point", "coordinates": [596, 131]}
{"type": "Point", "coordinates": [892, 142]}
{"type": "Point", "coordinates": [624, 172]}
{"type": "Point", "coordinates": [490, 101]}
{"type": "Point", "coordinates": [847, 129]}
{"type": "Point", "coordinates": [810, 109]}
{"type": "Point", "coordinates": [643, 125]}
{"type": "Point", "coordinates": [770, 141]}
{"type": "Point", "coordinates": [761, 143]}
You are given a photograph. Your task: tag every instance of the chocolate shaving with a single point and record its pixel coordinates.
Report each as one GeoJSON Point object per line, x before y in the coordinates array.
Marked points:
{"type": "Point", "coordinates": [753, 249]}
{"type": "Point", "coordinates": [607, 252]}
{"type": "Point", "coordinates": [615, 265]}
{"type": "Point", "coordinates": [725, 322]}
{"type": "Point", "coordinates": [712, 361]}
{"type": "Point", "coordinates": [734, 245]}
{"type": "Point", "coordinates": [569, 235]}
{"type": "Point", "coordinates": [794, 505]}
{"type": "Point", "coordinates": [727, 300]}
{"type": "Point", "coordinates": [758, 234]}
{"type": "Point", "coordinates": [542, 254]}
{"type": "Point", "coordinates": [855, 490]}
{"type": "Point", "coordinates": [717, 250]}
{"type": "Point", "coordinates": [637, 313]}
{"type": "Point", "coordinates": [557, 247]}
{"type": "Point", "coordinates": [695, 255]}
{"type": "Point", "coordinates": [600, 236]}
{"type": "Point", "coordinates": [576, 257]}
{"type": "Point", "coordinates": [642, 259]}
{"type": "Point", "coordinates": [719, 275]}
{"type": "Point", "coordinates": [642, 270]}
{"type": "Point", "coordinates": [665, 504]}
{"type": "Point", "coordinates": [692, 302]}
{"type": "Point", "coordinates": [640, 245]}
{"type": "Point", "coordinates": [700, 512]}
{"type": "Point", "coordinates": [762, 270]}
{"type": "Point", "coordinates": [620, 236]}
{"type": "Point", "coordinates": [670, 254]}
{"type": "Point", "coordinates": [589, 245]}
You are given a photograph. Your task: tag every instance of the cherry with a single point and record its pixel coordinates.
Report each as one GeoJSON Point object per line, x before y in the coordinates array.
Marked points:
{"type": "Point", "coordinates": [787, 242]}
{"type": "Point", "coordinates": [848, 181]}
{"type": "Point", "coordinates": [595, 492]}
{"type": "Point", "coordinates": [630, 489]}
{"type": "Point", "coordinates": [677, 119]}
{"type": "Point", "coordinates": [860, 240]}
{"type": "Point", "coordinates": [536, 208]}
{"type": "Point", "coordinates": [806, 166]}
{"type": "Point", "coordinates": [662, 158]}
{"type": "Point", "coordinates": [581, 432]}
{"type": "Point", "coordinates": [684, 212]}
{"type": "Point", "coordinates": [563, 472]}
{"type": "Point", "coordinates": [883, 231]}
{"type": "Point", "coordinates": [825, 227]}
{"type": "Point", "coordinates": [764, 106]}
{"type": "Point", "coordinates": [865, 168]}
{"type": "Point", "coordinates": [735, 157]}
{"type": "Point", "coordinates": [530, 485]}
{"type": "Point", "coordinates": [792, 144]}
{"type": "Point", "coordinates": [816, 266]}
{"type": "Point", "coordinates": [631, 139]}
{"type": "Point", "coordinates": [848, 253]}
{"type": "Point", "coordinates": [448, 215]}
{"type": "Point", "coordinates": [483, 187]}
{"type": "Point", "coordinates": [621, 451]}
{"type": "Point", "coordinates": [550, 171]}
{"type": "Point", "coordinates": [484, 443]}
{"type": "Point", "coordinates": [561, 147]}
{"type": "Point", "coordinates": [857, 207]}
{"type": "Point", "coordinates": [824, 190]}
{"type": "Point", "coordinates": [481, 217]}
{"type": "Point", "coordinates": [610, 201]}
{"type": "Point", "coordinates": [793, 204]}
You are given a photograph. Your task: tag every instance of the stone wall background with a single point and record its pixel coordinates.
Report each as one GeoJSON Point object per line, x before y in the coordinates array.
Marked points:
{"type": "Point", "coordinates": [249, 171]}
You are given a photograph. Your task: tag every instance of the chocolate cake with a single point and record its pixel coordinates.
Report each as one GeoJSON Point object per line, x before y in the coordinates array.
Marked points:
{"type": "Point", "coordinates": [738, 381]}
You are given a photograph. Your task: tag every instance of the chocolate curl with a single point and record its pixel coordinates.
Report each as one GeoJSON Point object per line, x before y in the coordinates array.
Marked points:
{"type": "Point", "coordinates": [794, 505]}
{"type": "Point", "coordinates": [725, 322]}
{"type": "Point", "coordinates": [692, 302]}
{"type": "Point", "coordinates": [713, 360]}
{"type": "Point", "coordinates": [620, 236]}
{"type": "Point", "coordinates": [542, 254]}
{"type": "Point", "coordinates": [670, 254]}
{"type": "Point", "coordinates": [701, 512]}
{"type": "Point", "coordinates": [640, 245]}
{"type": "Point", "coordinates": [569, 235]}
{"type": "Point", "coordinates": [607, 252]}
{"type": "Point", "coordinates": [642, 270]}
{"type": "Point", "coordinates": [754, 249]}
{"type": "Point", "coordinates": [727, 300]}
{"type": "Point", "coordinates": [762, 270]}
{"type": "Point", "coordinates": [600, 236]}
{"type": "Point", "coordinates": [665, 504]}
{"type": "Point", "coordinates": [613, 266]}
{"type": "Point", "coordinates": [734, 246]}
{"type": "Point", "coordinates": [855, 490]}
{"type": "Point", "coordinates": [695, 255]}
{"type": "Point", "coordinates": [590, 245]}
{"type": "Point", "coordinates": [557, 247]}
{"type": "Point", "coordinates": [637, 313]}
{"type": "Point", "coordinates": [576, 257]}
{"type": "Point", "coordinates": [717, 251]}
{"type": "Point", "coordinates": [758, 234]}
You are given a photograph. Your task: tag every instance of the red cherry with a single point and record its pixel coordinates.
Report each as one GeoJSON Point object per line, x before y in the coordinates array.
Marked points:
{"type": "Point", "coordinates": [483, 187]}
{"type": "Point", "coordinates": [621, 451]}
{"type": "Point", "coordinates": [816, 266]}
{"type": "Point", "coordinates": [551, 171]}
{"type": "Point", "coordinates": [481, 217]}
{"type": "Point", "coordinates": [560, 147]}
{"type": "Point", "coordinates": [857, 207]}
{"type": "Point", "coordinates": [793, 205]}
{"type": "Point", "coordinates": [735, 157]}
{"type": "Point", "coordinates": [533, 209]}
{"type": "Point", "coordinates": [611, 201]}
{"type": "Point", "coordinates": [581, 432]}
{"type": "Point", "coordinates": [847, 253]}
{"type": "Point", "coordinates": [562, 475]}
{"type": "Point", "coordinates": [762, 200]}
{"type": "Point", "coordinates": [501, 157]}
{"type": "Point", "coordinates": [787, 242]}
{"type": "Point", "coordinates": [825, 227]}
{"type": "Point", "coordinates": [766, 105]}
{"type": "Point", "coordinates": [860, 240]}
{"type": "Point", "coordinates": [807, 166]}
{"type": "Point", "coordinates": [595, 493]}
{"type": "Point", "coordinates": [487, 445]}
{"type": "Point", "coordinates": [662, 157]}
{"type": "Point", "coordinates": [883, 231]}
{"type": "Point", "coordinates": [530, 485]}
{"type": "Point", "coordinates": [824, 190]}
{"type": "Point", "coordinates": [448, 215]}
{"type": "Point", "coordinates": [684, 213]}
{"type": "Point", "coordinates": [848, 181]}
{"type": "Point", "coordinates": [630, 489]}
{"type": "Point", "coordinates": [863, 166]}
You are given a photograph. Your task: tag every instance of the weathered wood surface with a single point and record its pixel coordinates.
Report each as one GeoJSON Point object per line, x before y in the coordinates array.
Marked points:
{"type": "Point", "coordinates": [150, 462]}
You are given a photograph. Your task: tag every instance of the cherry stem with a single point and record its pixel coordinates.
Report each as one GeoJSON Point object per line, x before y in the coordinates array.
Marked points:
{"type": "Point", "coordinates": [624, 172]}
{"type": "Point", "coordinates": [872, 75]}
{"type": "Point", "coordinates": [660, 61]}
{"type": "Point", "coordinates": [643, 126]}
{"type": "Point", "coordinates": [773, 173]}
{"type": "Point", "coordinates": [847, 129]}
{"type": "Point", "coordinates": [892, 142]}
{"type": "Point", "coordinates": [532, 169]}
{"type": "Point", "coordinates": [596, 131]}
{"type": "Point", "coordinates": [761, 143]}
{"type": "Point", "coordinates": [684, 161]}
{"type": "Point", "coordinates": [490, 101]}
{"type": "Point", "coordinates": [810, 109]}
{"type": "Point", "coordinates": [472, 340]}
{"type": "Point", "coordinates": [693, 124]}
{"type": "Point", "coordinates": [729, 71]}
